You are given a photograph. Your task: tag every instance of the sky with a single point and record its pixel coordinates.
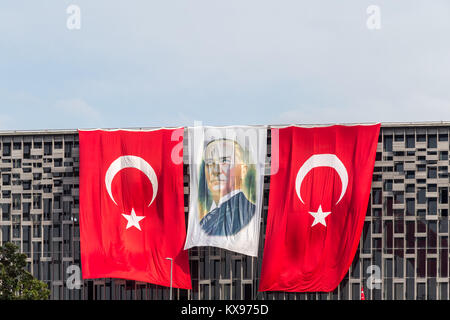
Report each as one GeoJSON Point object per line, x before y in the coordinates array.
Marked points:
{"type": "Point", "coordinates": [229, 62]}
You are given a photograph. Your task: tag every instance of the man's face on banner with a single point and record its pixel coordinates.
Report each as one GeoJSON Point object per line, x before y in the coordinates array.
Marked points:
{"type": "Point", "coordinates": [224, 167]}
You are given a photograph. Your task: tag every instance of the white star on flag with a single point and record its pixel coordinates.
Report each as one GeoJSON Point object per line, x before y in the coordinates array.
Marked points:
{"type": "Point", "coordinates": [133, 219]}
{"type": "Point", "coordinates": [319, 216]}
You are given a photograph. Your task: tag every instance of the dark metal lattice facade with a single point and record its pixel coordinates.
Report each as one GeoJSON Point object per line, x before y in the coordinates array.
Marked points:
{"type": "Point", "coordinates": [404, 242]}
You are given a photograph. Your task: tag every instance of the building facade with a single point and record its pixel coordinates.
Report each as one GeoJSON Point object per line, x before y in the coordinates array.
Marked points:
{"type": "Point", "coordinates": [403, 251]}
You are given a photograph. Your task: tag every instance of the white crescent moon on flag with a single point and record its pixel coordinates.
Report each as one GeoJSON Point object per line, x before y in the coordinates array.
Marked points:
{"type": "Point", "coordinates": [322, 160]}
{"type": "Point", "coordinates": [131, 162]}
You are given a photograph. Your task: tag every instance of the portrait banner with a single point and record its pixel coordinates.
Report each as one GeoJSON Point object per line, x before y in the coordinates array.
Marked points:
{"type": "Point", "coordinates": [226, 187]}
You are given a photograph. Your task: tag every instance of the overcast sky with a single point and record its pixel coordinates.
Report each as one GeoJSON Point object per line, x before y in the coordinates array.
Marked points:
{"type": "Point", "coordinates": [170, 63]}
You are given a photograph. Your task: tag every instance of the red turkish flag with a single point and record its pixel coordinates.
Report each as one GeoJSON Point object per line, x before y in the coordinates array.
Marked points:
{"type": "Point", "coordinates": [319, 191]}
{"type": "Point", "coordinates": [132, 206]}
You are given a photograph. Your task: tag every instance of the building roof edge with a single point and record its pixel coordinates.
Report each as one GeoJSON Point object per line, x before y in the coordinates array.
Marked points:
{"type": "Point", "coordinates": [74, 131]}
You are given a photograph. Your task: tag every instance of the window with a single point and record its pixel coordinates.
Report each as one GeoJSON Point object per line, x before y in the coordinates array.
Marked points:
{"type": "Point", "coordinates": [432, 141]}
{"type": "Point", "coordinates": [27, 150]}
{"type": "Point", "coordinates": [410, 141]}
{"type": "Point", "coordinates": [67, 241]}
{"type": "Point", "coordinates": [378, 156]}
{"type": "Point", "coordinates": [375, 177]}
{"type": "Point", "coordinates": [26, 240]}
{"type": "Point", "coordinates": [37, 231]}
{"type": "Point", "coordinates": [16, 201]}
{"type": "Point", "coordinates": [410, 207]}
{"type": "Point", "coordinates": [26, 211]}
{"type": "Point", "coordinates": [398, 263]}
{"type": "Point", "coordinates": [388, 206]}
{"type": "Point", "coordinates": [67, 189]}
{"type": "Point", "coordinates": [37, 176]}
{"type": "Point", "coordinates": [432, 173]}
{"type": "Point", "coordinates": [26, 184]}
{"type": "Point", "coordinates": [398, 167]}
{"type": "Point", "coordinates": [421, 138]}
{"type": "Point", "coordinates": [67, 210]}
{"type": "Point", "coordinates": [421, 199]}
{"type": "Point", "coordinates": [443, 137]}
{"type": "Point", "coordinates": [387, 143]}
{"type": "Point", "coordinates": [376, 212]}
{"type": "Point", "coordinates": [248, 291]}
{"type": "Point", "coordinates": [398, 197]}
{"type": "Point", "coordinates": [443, 195]}
{"type": "Point", "coordinates": [432, 206]}
{"type": "Point", "coordinates": [16, 231]}
{"type": "Point", "coordinates": [6, 179]}
{"type": "Point", "coordinates": [37, 144]}
{"type": "Point", "coordinates": [443, 155]}
{"type": "Point", "coordinates": [47, 148]}
{"type": "Point", "coordinates": [388, 185]}
{"type": "Point", "coordinates": [388, 234]}
{"type": "Point", "coordinates": [226, 291]}
{"type": "Point", "coordinates": [37, 201]}
{"type": "Point", "coordinates": [46, 237]}
{"type": "Point", "coordinates": [356, 291]}
{"type": "Point", "coordinates": [57, 202]}
{"type": "Point", "coordinates": [56, 269]}
{"type": "Point", "coordinates": [377, 196]}
{"type": "Point", "coordinates": [376, 227]}
{"type": "Point", "coordinates": [17, 163]}
{"type": "Point", "coordinates": [398, 226]}
{"type": "Point", "coordinates": [68, 149]}
{"type": "Point", "coordinates": [6, 207]}
{"type": "Point", "coordinates": [56, 230]}
{"type": "Point", "coordinates": [6, 149]}
{"type": "Point", "coordinates": [410, 239]}
{"type": "Point", "coordinates": [410, 174]}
